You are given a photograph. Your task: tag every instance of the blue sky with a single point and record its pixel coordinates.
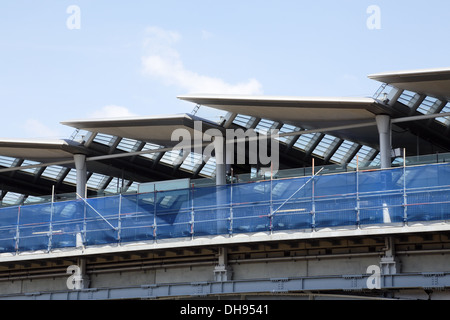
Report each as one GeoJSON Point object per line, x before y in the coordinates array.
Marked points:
{"type": "Point", "coordinates": [135, 57]}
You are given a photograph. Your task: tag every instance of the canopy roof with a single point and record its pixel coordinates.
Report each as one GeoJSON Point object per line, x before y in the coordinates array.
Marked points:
{"type": "Point", "coordinates": [41, 150]}
{"type": "Point", "coordinates": [431, 82]}
{"type": "Point", "coordinates": [155, 129]}
{"type": "Point", "coordinates": [308, 111]}
{"type": "Point", "coordinates": [304, 112]}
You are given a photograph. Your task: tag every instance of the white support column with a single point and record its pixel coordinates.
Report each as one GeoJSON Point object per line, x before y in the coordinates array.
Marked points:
{"type": "Point", "coordinates": [219, 149]}
{"type": "Point", "coordinates": [229, 155]}
{"type": "Point", "coordinates": [80, 166]}
{"type": "Point", "coordinates": [222, 212]}
{"type": "Point", "coordinates": [222, 272]}
{"type": "Point", "coordinates": [389, 264]}
{"type": "Point", "coordinates": [385, 136]}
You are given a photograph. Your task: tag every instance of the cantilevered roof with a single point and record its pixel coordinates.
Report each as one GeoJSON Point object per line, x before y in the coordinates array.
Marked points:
{"type": "Point", "coordinates": [157, 129]}
{"type": "Point", "coordinates": [40, 150]}
{"type": "Point", "coordinates": [307, 110]}
{"type": "Point", "coordinates": [431, 82]}
{"type": "Point", "coordinates": [304, 112]}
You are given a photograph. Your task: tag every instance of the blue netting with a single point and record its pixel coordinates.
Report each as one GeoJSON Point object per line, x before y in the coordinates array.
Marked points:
{"type": "Point", "coordinates": [34, 227]}
{"type": "Point", "coordinates": [8, 229]}
{"type": "Point", "coordinates": [137, 217]}
{"type": "Point", "coordinates": [67, 223]}
{"type": "Point", "coordinates": [173, 214]}
{"type": "Point", "coordinates": [102, 216]}
{"type": "Point", "coordinates": [381, 208]}
{"type": "Point", "coordinates": [342, 200]}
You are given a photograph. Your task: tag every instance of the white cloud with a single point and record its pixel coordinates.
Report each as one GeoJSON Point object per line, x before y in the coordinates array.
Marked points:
{"type": "Point", "coordinates": [207, 35]}
{"type": "Point", "coordinates": [162, 35]}
{"type": "Point", "coordinates": [111, 111]}
{"type": "Point", "coordinates": [163, 62]}
{"type": "Point", "coordinates": [36, 129]}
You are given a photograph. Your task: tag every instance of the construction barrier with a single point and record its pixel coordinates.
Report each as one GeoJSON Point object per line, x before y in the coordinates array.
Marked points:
{"type": "Point", "coordinates": [352, 199]}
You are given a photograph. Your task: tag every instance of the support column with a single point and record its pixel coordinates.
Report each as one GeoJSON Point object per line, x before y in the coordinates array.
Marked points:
{"type": "Point", "coordinates": [389, 263]}
{"type": "Point", "coordinates": [219, 149]}
{"type": "Point", "coordinates": [222, 205]}
{"type": "Point", "coordinates": [80, 166]}
{"type": "Point", "coordinates": [222, 272]}
{"type": "Point", "coordinates": [385, 137]}
{"type": "Point", "coordinates": [79, 279]}
{"type": "Point", "coordinates": [229, 158]}
{"type": "Point", "coordinates": [229, 149]}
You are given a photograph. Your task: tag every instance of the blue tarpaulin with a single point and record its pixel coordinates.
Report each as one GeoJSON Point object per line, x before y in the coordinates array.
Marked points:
{"type": "Point", "coordinates": [353, 199]}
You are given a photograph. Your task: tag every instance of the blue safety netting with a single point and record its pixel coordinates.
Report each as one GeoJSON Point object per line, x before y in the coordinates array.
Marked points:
{"type": "Point", "coordinates": [354, 199]}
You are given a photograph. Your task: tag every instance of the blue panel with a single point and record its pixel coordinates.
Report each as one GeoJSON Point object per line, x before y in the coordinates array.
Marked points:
{"type": "Point", "coordinates": [208, 223]}
{"type": "Point", "coordinates": [335, 212]}
{"type": "Point", "coordinates": [335, 185]}
{"type": "Point", "coordinates": [67, 222]}
{"type": "Point", "coordinates": [428, 206]}
{"type": "Point", "coordinates": [299, 203]}
{"type": "Point", "coordinates": [34, 227]}
{"type": "Point", "coordinates": [102, 215]}
{"type": "Point", "coordinates": [253, 218]}
{"type": "Point", "coordinates": [173, 225]}
{"type": "Point", "coordinates": [8, 228]}
{"type": "Point", "coordinates": [381, 208]}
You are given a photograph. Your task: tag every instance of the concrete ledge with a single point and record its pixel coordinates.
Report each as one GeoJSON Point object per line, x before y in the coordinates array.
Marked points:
{"type": "Point", "coordinates": [287, 235]}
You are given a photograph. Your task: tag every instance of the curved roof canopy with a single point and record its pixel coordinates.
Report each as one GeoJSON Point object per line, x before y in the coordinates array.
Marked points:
{"type": "Point", "coordinates": [157, 129]}
{"type": "Point", "coordinates": [41, 150]}
{"type": "Point", "coordinates": [304, 112]}
{"type": "Point", "coordinates": [431, 82]}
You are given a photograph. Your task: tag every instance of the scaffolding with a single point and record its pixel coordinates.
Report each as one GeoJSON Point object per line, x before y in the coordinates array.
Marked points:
{"type": "Point", "coordinates": [351, 199]}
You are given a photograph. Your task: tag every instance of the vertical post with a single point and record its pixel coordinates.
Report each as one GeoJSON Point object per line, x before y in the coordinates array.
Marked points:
{"type": "Point", "coordinates": [358, 218]}
{"type": "Point", "coordinates": [271, 199]}
{"type": "Point", "coordinates": [221, 213]}
{"type": "Point", "coordinates": [119, 223]}
{"type": "Point", "coordinates": [385, 139]}
{"type": "Point", "coordinates": [80, 238]}
{"type": "Point", "coordinates": [229, 160]}
{"type": "Point", "coordinates": [222, 271]}
{"type": "Point", "coordinates": [405, 200]}
{"type": "Point", "coordinates": [313, 205]}
{"type": "Point", "coordinates": [220, 161]}
{"type": "Point", "coordinates": [17, 229]}
{"type": "Point", "coordinates": [154, 211]}
{"type": "Point", "coordinates": [80, 166]}
{"type": "Point", "coordinates": [50, 231]}
{"type": "Point", "coordinates": [83, 278]}
{"type": "Point", "coordinates": [229, 157]}
{"type": "Point", "coordinates": [192, 211]}
{"type": "Point", "coordinates": [230, 218]}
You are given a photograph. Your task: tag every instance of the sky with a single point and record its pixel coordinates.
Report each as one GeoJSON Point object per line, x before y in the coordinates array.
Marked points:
{"type": "Point", "coordinates": [76, 59]}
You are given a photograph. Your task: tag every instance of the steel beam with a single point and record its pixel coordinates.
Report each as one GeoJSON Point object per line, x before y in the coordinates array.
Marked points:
{"type": "Point", "coordinates": [276, 286]}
